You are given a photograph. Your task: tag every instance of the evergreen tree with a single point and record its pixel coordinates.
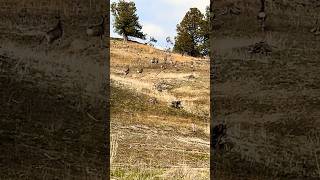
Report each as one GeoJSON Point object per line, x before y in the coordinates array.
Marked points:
{"type": "Point", "coordinates": [126, 20]}
{"type": "Point", "coordinates": [205, 32]}
{"type": "Point", "coordinates": [192, 34]}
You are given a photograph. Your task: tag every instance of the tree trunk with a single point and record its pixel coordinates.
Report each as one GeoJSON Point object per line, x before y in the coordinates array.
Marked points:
{"type": "Point", "coordinates": [125, 38]}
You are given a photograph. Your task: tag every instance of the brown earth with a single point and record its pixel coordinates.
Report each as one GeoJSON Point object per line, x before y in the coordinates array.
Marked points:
{"type": "Point", "coordinates": [270, 103]}
{"type": "Point", "coordinates": [53, 104]}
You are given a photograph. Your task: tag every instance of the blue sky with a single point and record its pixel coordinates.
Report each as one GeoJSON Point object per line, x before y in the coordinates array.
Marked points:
{"type": "Point", "coordinates": [159, 18]}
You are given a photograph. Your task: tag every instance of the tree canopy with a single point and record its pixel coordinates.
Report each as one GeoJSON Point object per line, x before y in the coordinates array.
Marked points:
{"type": "Point", "coordinates": [126, 20]}
{"type": "Point", "coordinates": [192, 34]}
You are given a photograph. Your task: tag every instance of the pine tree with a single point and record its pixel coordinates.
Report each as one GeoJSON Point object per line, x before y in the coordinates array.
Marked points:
{"type": "Point", "coordinates": [126, 20]}
{"type": "Point", "coordinates": [192, 34]}
{"type": "Point", "coordinates": [205, 32]}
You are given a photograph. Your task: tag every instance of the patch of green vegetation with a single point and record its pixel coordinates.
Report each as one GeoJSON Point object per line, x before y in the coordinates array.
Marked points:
{"type": "Point", "coordinates": [124, 99]}
{"type": "Point", "coordinates": [121, 99]}
{"type": "Point", "coordinates": [139, 174]}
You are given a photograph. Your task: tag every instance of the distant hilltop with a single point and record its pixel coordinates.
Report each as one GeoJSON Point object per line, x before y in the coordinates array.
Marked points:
{"type": "Point", "coordinates": [121, 39]}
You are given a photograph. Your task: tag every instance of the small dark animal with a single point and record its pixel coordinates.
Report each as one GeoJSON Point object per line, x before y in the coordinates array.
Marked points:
{"type": "Point", "coordinates": [262, 16]}
{"type": "Point", "coordinates": [97, 30]}
{"type": "Point", "coordinates": [22, 15]}
{"type": "Point", "coordinates": [316, 29]}
{"type": "Point", "coordinates": [126, 71]}
{"type": "Point", "coordinates": [192, 66]}
{"type": "Point", "coordinates": [218, 132]}
{"type": "Point", "coordinates": [176, 104]}
{"type": "Point", "coordinates": [55, 33]}
{"type": "Point", "coordinates": [140, 70]}
{"type": "Point", "coordinates": [261, 47]}
{"type": "Point", "coordinates": [153, 101]}
{"type": "Point", "coordinates": [154, 61]}
{"type": "Point", "coordinates": [165, 59]}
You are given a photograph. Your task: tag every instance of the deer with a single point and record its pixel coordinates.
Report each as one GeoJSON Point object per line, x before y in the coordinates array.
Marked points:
{"type": "Point", "coordinates": [126, 71]}
{"type": "Point", "coordinates": [316, 29]}
{"type": "Point", "coordinates": [140, 70]}
{"type": "Point", "coordinates": [192, 66]}
{"type": "Point", "coordinates": [154, 61]}
{"type": "Point", "coordinates": [97, 30]}
{"type": "Point", "coordinates": [55, 33]}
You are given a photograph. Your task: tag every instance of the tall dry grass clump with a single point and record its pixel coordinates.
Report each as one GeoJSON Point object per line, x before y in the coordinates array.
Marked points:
{"type": "Point", "coordinates": [113, 147]}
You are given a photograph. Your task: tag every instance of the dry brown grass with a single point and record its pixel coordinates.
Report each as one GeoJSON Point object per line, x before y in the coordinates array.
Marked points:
{"type": "Point", "coordinates": [137, 55]}
{"type": "Point", "coordinates": [268, 102]}
{"type": "Point", "coordinates": [88, 72]}
{"type": "Point", "coordinates": [157, 138]}
{"type": "Point", "coordinates": [55, 99]}
{"type": "Point", "coordinates": [131, 51]}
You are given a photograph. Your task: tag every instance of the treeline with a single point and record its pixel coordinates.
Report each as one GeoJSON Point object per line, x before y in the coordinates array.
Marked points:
{"type": "Point", "coordinates": [192, 32]}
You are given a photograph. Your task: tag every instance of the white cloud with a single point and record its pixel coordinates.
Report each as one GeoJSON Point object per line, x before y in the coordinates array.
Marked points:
{"type": "Point", "coordinates": [153, 30]}
{"type": "Point", "coordinates": [111, 1]}
{"type": "Point", "coordinates": [182, 4]}
{"type": "Point", "coordinates": [148, 28]}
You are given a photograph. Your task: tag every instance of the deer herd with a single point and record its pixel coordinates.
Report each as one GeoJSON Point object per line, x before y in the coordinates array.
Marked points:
{"type": "Point", "coordinates": [57, 32]}
{"type": "Point", "coordinates": [98, 30]}
{"type": "Point", "coordinates": [163, 65]}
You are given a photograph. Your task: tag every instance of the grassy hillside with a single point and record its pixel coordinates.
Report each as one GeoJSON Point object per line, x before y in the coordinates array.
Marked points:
{"type": "Point", "coordinates": [52, 117]}
{"type": "Point", "coordinates": [269, 102]}
{"type": "Point", "coordinates": [154, 140]}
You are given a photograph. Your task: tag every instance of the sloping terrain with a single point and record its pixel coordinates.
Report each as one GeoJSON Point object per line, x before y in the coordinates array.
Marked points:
{"type": "Point", "coordinates": [53, 103]}
{"type": "Point", "coordinates": [269, 102]}
{"type": "Point", "coordinates": [148, 134]}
